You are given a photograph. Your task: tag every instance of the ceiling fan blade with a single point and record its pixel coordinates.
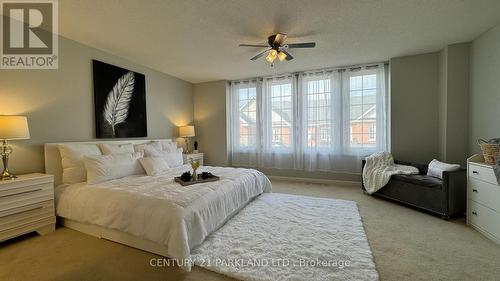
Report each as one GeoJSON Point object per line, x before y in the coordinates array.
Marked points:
{"type": "Point", "coordinates": [288, 56]}
{"type": "Point", "coordinates": [260, 55]}
{"type": "Point", "coordinates": [302, 45]}
{"type": "Point", "coordinates": [253, 45]}
{"type": "Point", "coordinates": [280, 38]}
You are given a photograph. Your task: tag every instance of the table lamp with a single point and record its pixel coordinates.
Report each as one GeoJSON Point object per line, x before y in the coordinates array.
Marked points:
{"type": "Point", "coordinates": [186, 132]}
{"type": "Point", "coordinates": [11, 128]}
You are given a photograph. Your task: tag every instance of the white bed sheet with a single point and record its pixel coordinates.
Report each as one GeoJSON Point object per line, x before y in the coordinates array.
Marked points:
{"type": "Point", "coordinates": [161, 210]}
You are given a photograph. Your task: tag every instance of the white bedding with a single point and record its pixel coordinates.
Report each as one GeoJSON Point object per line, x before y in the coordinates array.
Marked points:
{"type": "Point", "coordinates": [161, 210]}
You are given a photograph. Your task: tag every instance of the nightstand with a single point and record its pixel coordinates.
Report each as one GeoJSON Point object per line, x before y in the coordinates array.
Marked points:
{"type": "Point", "coordinates": [188, 157]}
{"type": "Point", "coordinates": [27, 205]}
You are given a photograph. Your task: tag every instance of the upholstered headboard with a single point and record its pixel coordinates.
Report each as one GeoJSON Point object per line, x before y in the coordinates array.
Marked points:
{"type": "Point", "coordinates": [53, 158]}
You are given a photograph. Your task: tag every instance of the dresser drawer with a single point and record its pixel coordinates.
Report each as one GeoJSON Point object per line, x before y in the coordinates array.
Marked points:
{"type": "Point", "coordinates": [24, 189]}
{"type": "Point", "coordinates": [194, 157]}
{"type": "Point", "coordinates": [29, 214]}
{"type": "Point", "coordinates": [484, 218]}
{"type": "Point", "coordinates": [26, 205]}
{"type": "Point", "coordinates": [485, 193]}
{"type": "Point", "coordinates": [199, 159]}
{"type": "Point", "coordinates": [26, 228]}
{"type": "Point", "coordinates": [28, 198]}
{"type": "Point", "coordinates": [482, 173]}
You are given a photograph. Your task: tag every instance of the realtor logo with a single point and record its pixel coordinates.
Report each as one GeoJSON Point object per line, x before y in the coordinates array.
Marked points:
{"type": "Point", "coordinates": [29, 35]}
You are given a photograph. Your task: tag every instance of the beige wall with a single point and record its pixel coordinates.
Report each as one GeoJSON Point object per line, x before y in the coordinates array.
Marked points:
{"type": "Point", "coordinates": [414, 107]}
{"type": "Point", "coordinates": [454, 103]}
{"type": "Point", "coordinates": [442, 101]}
{"type": "Point", "coordinates": [59, 103]}
{"type": "Point", "coordinates": [484, 116]}
{"type": "Point", "coordinates": [210, 121]}
{"type": "Point", "coordinates": [456, 110]}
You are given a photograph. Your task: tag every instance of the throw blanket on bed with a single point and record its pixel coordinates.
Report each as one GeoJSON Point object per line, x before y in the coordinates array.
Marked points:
{"type": "Point", "coordinates": [379, 168]}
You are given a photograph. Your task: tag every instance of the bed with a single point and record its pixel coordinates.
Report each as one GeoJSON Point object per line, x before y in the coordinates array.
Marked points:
{"type": "Point", "coordinates": [154, 214]}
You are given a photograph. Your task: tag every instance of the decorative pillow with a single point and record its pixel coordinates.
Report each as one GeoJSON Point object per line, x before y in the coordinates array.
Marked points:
{"type": "Point", "coordinates": [174, 159]}
{"type": "Point", "coordinates": [437, 168]}
{"type": "Point", "coordinates": [167, 145]}
{"type": "Point", "coordinates": [150, 145]}
{"type": "Point", "coordinates": [154, 166]}
{"type": "Point", "coordinates": [108, 148]}
{"type": "Point", "coordinates": [72, 156]}
{"type": "Point", "coordinates": [114, 166]}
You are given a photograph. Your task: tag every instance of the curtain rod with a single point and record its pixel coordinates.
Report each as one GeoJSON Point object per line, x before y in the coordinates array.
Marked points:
{"type": "Point", "coordinates": [356, 67]}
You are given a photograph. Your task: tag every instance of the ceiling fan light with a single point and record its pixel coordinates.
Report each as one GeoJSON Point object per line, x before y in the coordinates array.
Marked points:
{"type": "Point", "coordinates": [271, 56]}
{"type": "Point", "coordinates": [281, 56]}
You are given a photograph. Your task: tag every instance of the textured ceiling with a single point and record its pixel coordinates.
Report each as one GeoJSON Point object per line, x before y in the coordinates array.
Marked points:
{"type": "Point", "coordinates": [197, 40]}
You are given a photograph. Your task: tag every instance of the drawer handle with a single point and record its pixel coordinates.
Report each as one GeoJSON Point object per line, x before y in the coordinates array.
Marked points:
{"type": "Point", "coordinates": [474, 190]}
{"type": "Point", "coordinates": [475, 172]}
{"type": "Point", "coordinates": [474, 213]}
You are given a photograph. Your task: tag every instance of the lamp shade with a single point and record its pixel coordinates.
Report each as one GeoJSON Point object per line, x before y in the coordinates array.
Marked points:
{"type": "Point", "coordinates": [14, 127]}
{"type": "Point", "coordinates": [186, 131]}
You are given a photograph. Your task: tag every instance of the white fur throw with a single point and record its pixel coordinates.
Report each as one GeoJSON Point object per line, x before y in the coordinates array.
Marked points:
{"type": "Point", "coordinates": [379, 168]}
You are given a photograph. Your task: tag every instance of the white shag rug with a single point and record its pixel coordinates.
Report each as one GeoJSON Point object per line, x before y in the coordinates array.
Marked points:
{"type": "Point", "coordinates": [289, 237]}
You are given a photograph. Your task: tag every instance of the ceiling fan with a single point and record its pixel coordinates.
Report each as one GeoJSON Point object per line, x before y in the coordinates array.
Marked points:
{"type": "Point", "coordinates": [278, 48]}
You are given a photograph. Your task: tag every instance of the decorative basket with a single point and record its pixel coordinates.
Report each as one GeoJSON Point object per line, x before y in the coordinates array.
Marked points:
{"type": "Point", "coordinates": [491, 151]}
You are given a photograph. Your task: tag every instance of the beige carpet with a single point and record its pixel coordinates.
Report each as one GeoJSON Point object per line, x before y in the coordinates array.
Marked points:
{"type": "Point", "coordinates": [407, 245]}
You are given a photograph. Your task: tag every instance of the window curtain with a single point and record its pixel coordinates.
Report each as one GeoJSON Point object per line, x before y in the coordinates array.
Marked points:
{"type": "Point", "coordinates": [324, 120]}
{"type": "Point", "coordinates": [243, 133]}
{"type": "Point", "coordinates": [278, 134]}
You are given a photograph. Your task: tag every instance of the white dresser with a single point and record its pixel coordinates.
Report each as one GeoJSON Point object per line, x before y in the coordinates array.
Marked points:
{"type": "Point", "coordinates": [27, 205]}
{"type": "Point", "coordinates": [188, 157]}
{"type": "Point", "coordinates": [483, 198]}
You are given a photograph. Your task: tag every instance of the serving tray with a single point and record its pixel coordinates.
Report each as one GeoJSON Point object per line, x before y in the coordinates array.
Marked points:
{"type": "Point", "coordinates": [200, 180]}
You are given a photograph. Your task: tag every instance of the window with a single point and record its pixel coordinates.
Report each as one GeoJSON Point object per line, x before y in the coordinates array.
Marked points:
{"type": "Point", "coordinates": [324, 120]}
{"type": "Point", "coordinates": [247, 112]}
{"type": "Point", "coordinates": [276, 136]}
{"type": "Point", "coordinates": [324, 134]}
{"type": "Point", "coordinates": [281, 107]}
{"type": "Point", "coordinates": [371, 134]}
{"type": "Point", "coordinates": [363, 110]}
{"type": "Point", "coordinates": [318, 111]}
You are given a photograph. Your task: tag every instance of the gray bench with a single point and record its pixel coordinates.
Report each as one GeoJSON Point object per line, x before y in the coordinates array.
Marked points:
{"type": "Point", "coordinates": [445, 197]}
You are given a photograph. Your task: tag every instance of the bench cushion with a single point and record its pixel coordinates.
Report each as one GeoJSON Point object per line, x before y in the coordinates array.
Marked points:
{"type": "Point", "coordinates": [422, 180]}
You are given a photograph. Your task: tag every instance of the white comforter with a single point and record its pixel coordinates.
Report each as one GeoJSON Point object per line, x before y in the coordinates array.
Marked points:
{"type": "Point", "coordinates": [161, 210]}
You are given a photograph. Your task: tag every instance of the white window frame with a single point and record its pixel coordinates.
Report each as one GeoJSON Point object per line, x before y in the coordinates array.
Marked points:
{"type": "Point", "coordinates": [380, 143]}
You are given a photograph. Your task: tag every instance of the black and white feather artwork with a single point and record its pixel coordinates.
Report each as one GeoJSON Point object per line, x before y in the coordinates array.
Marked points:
{"type": "Point", "coordinates": [120, 103]}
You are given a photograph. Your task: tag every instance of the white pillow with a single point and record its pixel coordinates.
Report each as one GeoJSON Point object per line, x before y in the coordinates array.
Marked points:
{"type": "Point", "coordinates": [108, 148]}
{"type": "Point", "coordinates": [154, 166]}
{"type": "Point", "coordinates": [72, 156]}
{"type": "Point", "coordinates": [114, 166]}
{"type": "Point", "coordinates": [174, 159]}
{"type": "Point", "coordinates": [437, 168]}
{"type": "Point", "coordinates": [167, 145]}
{"type": "Point", "coordinates": [150, 145]}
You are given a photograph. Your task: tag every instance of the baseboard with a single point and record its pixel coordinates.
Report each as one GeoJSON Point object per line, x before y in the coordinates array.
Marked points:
{"type": "Point", "coordinates": [316, 180]}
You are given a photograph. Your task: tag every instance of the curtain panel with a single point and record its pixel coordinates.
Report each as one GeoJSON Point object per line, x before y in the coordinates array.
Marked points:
{"type": "Point", "coordinates": [326, 120]}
